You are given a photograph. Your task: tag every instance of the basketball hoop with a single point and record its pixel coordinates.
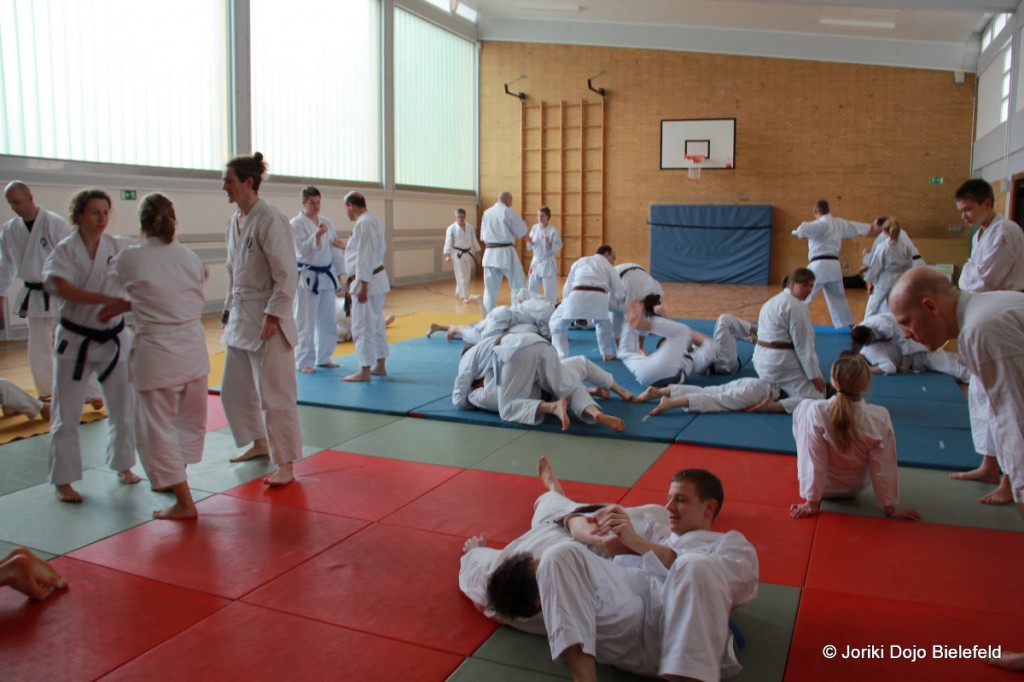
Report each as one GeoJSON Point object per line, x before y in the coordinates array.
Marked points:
{"type": "Point", "coordinates": [696, 161]}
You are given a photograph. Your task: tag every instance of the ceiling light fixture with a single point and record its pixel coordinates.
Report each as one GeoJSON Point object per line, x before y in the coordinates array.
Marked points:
{"type": "Point", "coordinates": [857, 23]}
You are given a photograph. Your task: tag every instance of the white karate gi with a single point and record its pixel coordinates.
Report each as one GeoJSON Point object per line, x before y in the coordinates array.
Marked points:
{"type": "Point", "coordinates": [785, 319]}
{"type": "Point", "coordinates": [891, 346]}
{"type": "Point", "coordinates": [476, 363]}
{"type": "Point", "coordinates": [583, 370]}
{"type": "Point", "coordinates": [638, 616]}
{"type": "Point", "coordinates": [23, 254]}
{"type": "Point", "coordinates": [501, 225]}
{"type": "Point", "coordinates": [461, 244]}
{"type": "Point", "coordinates": [589, 271]}
{"type": "Point", "coordinates": [825, 470]}
{"type": "Point", "coordinates": [888, 260]}
{"type": "Point", "coordinates": [315, 293]}
{"type": "Point", "coordinates": [543, 269]}
{"type": "Point", "coordinates": [824, 238]}
{"type": "Point", "coordinates": [997, 258]}
{"type": "Point", "coordinates": [13, 398]}
{"type": "Point", "coordinates": [364, 261]}
{"type": "Point", "coordinates": [734, 396]}
{"type": "Point", "coordinates": [991, 344]}
{"type": "Point", "coordinates": [258, 387]}
{"type": "Point", "coordinates": [638, 285]}
{"type": "Point", "coordinates": [169, 363]}
{"type": "Point", "coordinates": [672, 361]}
{"type": "Point", "coordinates": [70, 261]}
{"type": "Point", "coordinates": [546, 530]}
{"type": "Point", "coordinates": [904, 239]}
{"type": "Point", "coordinates": [729, 328]}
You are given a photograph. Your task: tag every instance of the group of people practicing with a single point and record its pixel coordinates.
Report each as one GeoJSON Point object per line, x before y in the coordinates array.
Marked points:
{"type": "Point", "coordinates": [279, 316]}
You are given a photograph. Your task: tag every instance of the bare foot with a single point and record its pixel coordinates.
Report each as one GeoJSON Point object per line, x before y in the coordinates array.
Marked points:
{"type": "Point", "coordinates": [984, 473]}
{"type": "Point", "coordinates": [559, 408]}
{"type": "Point", "coordinates": [65, 493]}
{"type": "Point", "coordinates": [622, 393]}
{"type": "Point", "coordinates": [547, 475]}
{"type": "Point", "coordinates": [389, 319]}
{"type": "Point", "coordinates": [613, 423]}
{"type": "Point", "coordinates": [361, 375]}
{"type": "Point", "coordinates": [1001, 495]}
{"type": "Point", "coordinates": [602, 393]}
{"type": "Point", "coordinates": [649, 393]}
{"type": "Point", "coordinates": [30, 575]}
{"type": "Point", "coordinates": [129, 477]}
{"type": "Point", "coordinates": [95, 403]}
{"type": "Point", "coordinates": [280, 478]}
{"type": "Point", "coordinates": [308, 370]}
{"type": "Point", "coordinates": [44, 412]}
{"type": "Point", "coordinates": [607, 358]}
{"type": "Point", "coordinates": [329, 365]}
{"type": "Point", "coordinates": [379, 370]}
{"type": "Point", "coordinates": [474, 542]}
{"type": "Point", "coordinates": [257, 450]}
{"type": "Point", "coordinates": [434, 328]}
{"type": "Point", "coordinates": [666, 404]}
{"type": "Point", "coordinates": [450, 334]}
{"type": "Point", "coordinates": [177, 511]}
{"type": "Point", "coordinates": [475, 297]}
{"type": "Point", "coordinates": [1008, 661]}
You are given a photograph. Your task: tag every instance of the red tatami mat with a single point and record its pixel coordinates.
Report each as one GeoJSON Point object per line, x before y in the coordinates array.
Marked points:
{"type": "Point", "coordinates": [215, 418]}
{"type": "Point", "coordinates": [104, 619]}
{"type": "Point", "coordinates": [235, 546]}
{"type": "Point", "coordinates": [359, 486]}
{"type": "Point", "coordinates": [500, 505]}
{"type": "Point", "coordinates": [783, 544]}
{"type": "Point", "coordinates": [842, 620]}
{"type": "Point", "coordinates": [394, 582]}
{"type": "Point", "coordinates": [747, 476]}
{"type": "Point", "coordinates": [245, 642]}
{"type": "Point", "coordinates": [970, 568]}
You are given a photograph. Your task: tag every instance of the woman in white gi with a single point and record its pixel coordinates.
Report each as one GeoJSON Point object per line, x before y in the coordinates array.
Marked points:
{"type": "Point", "coordinates": [545, 243]}
{"type": "Point", "coordinates": [80, 272]}
{"type": "Point", "coordinates": [842, 442]}
{"type": "Point", "coordinates": [258, 388]}
{"type": "Point", "coordinates": [168, 364]}
{"type": "Point", "coordinates": [888, 260]}
{"type": "Point", "coordinates": [460, 249]}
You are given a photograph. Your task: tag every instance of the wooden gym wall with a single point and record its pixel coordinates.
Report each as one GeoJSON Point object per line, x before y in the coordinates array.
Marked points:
{"type": "Point", "coordinates": [867, 138]}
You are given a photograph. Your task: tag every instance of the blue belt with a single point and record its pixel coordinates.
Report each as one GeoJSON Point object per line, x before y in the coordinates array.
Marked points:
{"type": "Point", "coordinates": [320, 270]}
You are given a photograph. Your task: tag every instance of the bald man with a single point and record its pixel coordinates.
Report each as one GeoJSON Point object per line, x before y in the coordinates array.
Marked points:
{"type": "Point", "coordinates": [500, 227]}
{"type": "Point", "coordinates": [989, 327]}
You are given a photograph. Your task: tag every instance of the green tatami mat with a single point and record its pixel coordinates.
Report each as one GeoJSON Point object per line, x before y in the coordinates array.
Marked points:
{"type": "Point", "coordinates": [516, 649]}
{"type": "Point", "coordinates": [325, 428]}
{"type": "Point", "coordinates": [217, 473]}
{"type": "Point", "coordinates": [475, 670]}
{"type": "Point", "coordinates": [432, 442]}
{"type": "Point", "coordinates": [6, 547]}
{"type": "Point", "coordinates": [767, 626]}
{"type": "Point", "coordinates": [939, 498]}
{"type": "Point", "coordinates": [607, 461]}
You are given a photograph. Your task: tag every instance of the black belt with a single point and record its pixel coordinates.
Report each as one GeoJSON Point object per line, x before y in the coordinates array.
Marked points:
{"type": "Point", "coordinates": [348, 296]}
{"type": "Point", "coordinates": [585, 288]}
{"type": "Point", "coordinates": [30, 287]}
{"type": "Point", "coordinates": [824, 258]}
{"type": "Point", "coordinates": [498, 246]}
{"type": "Point", "coordinates": [99, 336]}
{"type": "Point", "coordinates": [320, 270]}
{"type": "Point", "coordinates": [917, 256]}
{"type": "Point", "coordinates": [623, 273]}
{"type": "Point", "coordinates": [461, 251]}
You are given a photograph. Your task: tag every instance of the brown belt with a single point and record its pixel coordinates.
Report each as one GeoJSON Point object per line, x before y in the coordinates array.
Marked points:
{"type": "Point", "coordinates": [775, 345]}
{"type": "Point", "coordinates": [348, 296]}
{"type": "Point", "coordinates": [603, 291]}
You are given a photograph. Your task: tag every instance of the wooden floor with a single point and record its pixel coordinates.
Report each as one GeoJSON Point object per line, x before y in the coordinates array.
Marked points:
{"type": "Point", "coordinates": [704, 301]}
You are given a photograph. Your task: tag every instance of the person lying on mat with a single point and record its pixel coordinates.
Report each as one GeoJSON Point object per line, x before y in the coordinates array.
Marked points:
{"type": "Point", "coordinates": [664, 612]}
{"type": "Point", "coordinates": [843, 441]}
{"type": "Point", "coordinates": [880, 340]}
{"type": "Point", "coordinates": [728, 330]}
{"type": "Point", "coordinates": [556, 519]}
{"type": "Point", "coordinates": [15, 400]}
{"type": "Point", "coordinates": [681, 353]}
{"type": "Point", "coordinates": [639, 286]}
{"type": "Point", "coordinates": [527, 308]}
{"type": "Point", "coordinates": [520, 376]}
{"type": "Point", "coordinates": [747, 394]}
{"type": "Point", "coordinates": [25, 572]}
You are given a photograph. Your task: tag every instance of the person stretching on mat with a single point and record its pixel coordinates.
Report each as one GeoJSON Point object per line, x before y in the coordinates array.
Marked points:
{"type": "Point", "coordinates": [663, 613]}
{"type": "Point", "coordinates": [681, 353]}
{"type": "Point", "coordinates": [23, 571]}
{"type": "Point", "coordinates": [842, 442]}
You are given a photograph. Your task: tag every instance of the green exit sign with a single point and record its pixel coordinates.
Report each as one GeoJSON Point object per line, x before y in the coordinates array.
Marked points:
{"type": "Point", "coordinates": [936, 180]}
{"type": "Point", "coordinates": [129, 194]}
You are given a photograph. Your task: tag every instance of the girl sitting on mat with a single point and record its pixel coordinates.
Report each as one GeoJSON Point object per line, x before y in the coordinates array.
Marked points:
{"type": "Point", "coordinates": [842, 442]}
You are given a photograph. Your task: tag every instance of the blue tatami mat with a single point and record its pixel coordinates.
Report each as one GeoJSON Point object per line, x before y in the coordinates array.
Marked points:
{"type": "Point", "coordinates": [935, 448]}
{"type": "Point", "coordinates": [924, 412]}
{"type": "Point", "coordinates": [419, 371]}
{"type": "Point", "coordinates": [928, 386]}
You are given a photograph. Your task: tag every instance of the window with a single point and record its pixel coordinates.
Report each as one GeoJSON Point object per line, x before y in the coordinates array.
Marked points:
{"type": "Point", "coordinates": [435, 111]}
{"type": "Point", "coordinates": [1006, 62]}
{"type": "Point", "coordinates": [316, 88]}
{"type": "Point", "coordinates": [115, 81]}
{"type": "Point", "coordinates": [993, 93]}
{"type": "Point", "coordinates": [993, 29]}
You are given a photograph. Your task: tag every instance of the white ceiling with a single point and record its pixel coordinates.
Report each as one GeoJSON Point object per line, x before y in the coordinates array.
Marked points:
{"type": "Point", "coordinates": [941, 34]}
